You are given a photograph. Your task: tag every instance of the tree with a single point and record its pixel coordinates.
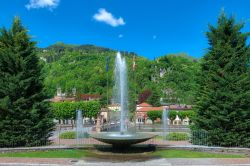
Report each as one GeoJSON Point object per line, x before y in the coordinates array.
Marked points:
{"type": "Point", "coordinates": [144, 95]}
{"type": "Point", "coordinates": [175, 75]}
{"type": "Point", "coordinates": [153, 115]}
{"type": "Point", "coordinates": [67, 110]}
{"type": "Point", "coordinates": [154, 99]}
{"type": "Point", "coordinates": [25, 119]}
{"type": "Point", "coordinates": [223, 98]}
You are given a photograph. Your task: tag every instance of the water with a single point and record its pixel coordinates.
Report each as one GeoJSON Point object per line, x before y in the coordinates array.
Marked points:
{"type": "Point", "coordinates": [79, 125]}
{"type": "Point", "coordinates": [120, 135]}
{"type": "Point", "coordinates": [120, 95]}
{"type": "Point", "coordinates": [165, 121]}
{"type": "Point", "coordinates": [121, 139]}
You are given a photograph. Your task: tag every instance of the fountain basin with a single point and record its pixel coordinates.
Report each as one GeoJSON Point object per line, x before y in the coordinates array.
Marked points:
{"type": "Point", "coordinates": [121, 139]}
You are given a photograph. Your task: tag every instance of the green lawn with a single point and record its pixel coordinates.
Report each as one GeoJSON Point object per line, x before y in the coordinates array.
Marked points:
{"type": "Point", "coordinates": [75, 153]}
{"type": "Point", "coordinates": [71, 153]}
{"type": "Point", "coordinates": [172, 153]}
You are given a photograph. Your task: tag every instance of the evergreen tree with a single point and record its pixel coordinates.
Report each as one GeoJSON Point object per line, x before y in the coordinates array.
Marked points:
{"type": "Point", "coordinates": [25, 119]}
{"type": "Point", "coordinates": [223, 98]}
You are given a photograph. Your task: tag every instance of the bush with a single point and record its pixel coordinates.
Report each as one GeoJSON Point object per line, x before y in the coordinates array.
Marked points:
{"type": "Point", "coordinates": [177, 137]}
{"type": "Point", "coordinates": [72, 135]}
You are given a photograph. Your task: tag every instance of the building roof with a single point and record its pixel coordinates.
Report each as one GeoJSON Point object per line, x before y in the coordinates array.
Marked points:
{"type": "Point", "coordinates": [144, 105]}
{"type": "Point", "coordinates": [180, 107]}
{"type": "Point", "coordinates": [146, 109]}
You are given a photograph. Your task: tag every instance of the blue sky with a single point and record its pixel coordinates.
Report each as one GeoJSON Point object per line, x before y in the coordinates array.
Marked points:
{"type": "Point", "coordinates": [150, 28]}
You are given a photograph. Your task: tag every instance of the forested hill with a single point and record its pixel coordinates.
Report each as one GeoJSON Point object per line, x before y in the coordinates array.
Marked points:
{"type": "Point", "coordinates": [83, 67]}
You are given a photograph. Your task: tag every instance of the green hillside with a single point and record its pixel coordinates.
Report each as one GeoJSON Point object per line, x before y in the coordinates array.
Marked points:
{"type": "Point", "coordinates": [84, 67]}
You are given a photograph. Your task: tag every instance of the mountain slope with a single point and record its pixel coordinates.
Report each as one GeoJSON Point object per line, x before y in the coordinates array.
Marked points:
{"type": "Point", "coordinates": [84, 67]}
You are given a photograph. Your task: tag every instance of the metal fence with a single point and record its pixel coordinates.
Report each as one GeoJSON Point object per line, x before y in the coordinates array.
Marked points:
{"type": "Point", "coordinates": [175, 136]}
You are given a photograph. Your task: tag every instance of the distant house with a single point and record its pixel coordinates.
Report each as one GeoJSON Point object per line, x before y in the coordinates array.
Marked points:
{"type": "Point", "coordinates": [141, 112]}
{"type": "Point", "coordinates": [143, 108]}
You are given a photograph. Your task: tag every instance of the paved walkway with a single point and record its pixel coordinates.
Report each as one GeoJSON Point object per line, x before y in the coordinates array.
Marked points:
{"type": "Point", "coordinates": [34, 161]}
{"type": "Point", "coordinates": [152, 162]}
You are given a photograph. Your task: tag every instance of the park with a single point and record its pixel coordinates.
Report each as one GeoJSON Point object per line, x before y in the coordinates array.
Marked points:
{"type": "Point", "coordinates": [84, 104]}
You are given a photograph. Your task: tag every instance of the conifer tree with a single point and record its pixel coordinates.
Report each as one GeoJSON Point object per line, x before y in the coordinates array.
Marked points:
{"type": "Point", "coordinates": [223, 98]}
{"type": "Point", "coordinates": [25, 119]}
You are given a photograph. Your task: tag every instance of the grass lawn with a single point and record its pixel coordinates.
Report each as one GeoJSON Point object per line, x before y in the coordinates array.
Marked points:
{"type": "Point", "coordinates": [76, 153]}
{"type": "Point", "coordinates": [70, 153]}
{"type": "Point", "coordinates": [172, 153]}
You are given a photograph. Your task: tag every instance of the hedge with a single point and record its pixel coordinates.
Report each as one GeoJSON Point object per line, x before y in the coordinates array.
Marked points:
{"type": "Point", "coordinates": [67, 110]}
{"type": "Point", "coordinates": [72, 135]}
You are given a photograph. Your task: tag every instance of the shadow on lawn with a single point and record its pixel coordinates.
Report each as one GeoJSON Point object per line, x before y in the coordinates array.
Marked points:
{"type": "Point", "coordinates": [137, 153]}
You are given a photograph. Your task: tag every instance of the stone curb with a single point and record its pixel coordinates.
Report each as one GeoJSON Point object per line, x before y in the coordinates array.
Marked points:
{"type": "Point", "coordinates": [115, 164]}
{"type": "Point", "coordinates": [209, 149]}
{"type": "Point", "coordinates": [194, 147]}
{"type": "Point", "coordinates": [27, 164]}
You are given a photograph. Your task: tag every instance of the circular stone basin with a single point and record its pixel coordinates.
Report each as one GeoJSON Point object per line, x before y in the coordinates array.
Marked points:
{"type": "Point", "coordinates": [121, 139]}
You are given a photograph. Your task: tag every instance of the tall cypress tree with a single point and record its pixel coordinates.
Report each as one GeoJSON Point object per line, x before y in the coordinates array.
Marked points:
{"type": "Point", "coordinates": [223, 98]}
{"type": "Point", "coordinates": [25, 119]}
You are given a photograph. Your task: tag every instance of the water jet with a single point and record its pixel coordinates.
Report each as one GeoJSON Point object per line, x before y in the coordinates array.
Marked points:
{"type": "Point", "coordinates": [120, 96]}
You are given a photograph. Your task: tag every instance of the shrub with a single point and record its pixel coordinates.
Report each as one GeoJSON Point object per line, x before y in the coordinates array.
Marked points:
{"type": "Point", "coordinates": [72, 135]}
{"type": "Point", "coordinates": [68, 135]}
{"type": "Point", "coordinates": [177, 136]}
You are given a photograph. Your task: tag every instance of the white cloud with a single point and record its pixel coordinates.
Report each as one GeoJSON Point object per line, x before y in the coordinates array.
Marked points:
{"type": "Point", "coordinates": [108, 18]}
{"type": "Point", "coordinates": [35, 4]}
{"type": "Point", "coordinates": [120, 36]}
{"type": "Point", "coordinates": [154, 37]}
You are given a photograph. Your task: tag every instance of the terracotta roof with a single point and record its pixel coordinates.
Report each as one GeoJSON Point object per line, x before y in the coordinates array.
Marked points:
{"type": "Point", "coordinates": [146, 109]}
{"type": "Point", "coordinates": [144, 105]}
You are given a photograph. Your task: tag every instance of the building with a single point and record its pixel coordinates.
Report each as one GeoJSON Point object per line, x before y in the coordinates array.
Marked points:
{"type": "Point", "coordinates": [141, 112]}
{"type": "Point", "coordinates": [143, 108]}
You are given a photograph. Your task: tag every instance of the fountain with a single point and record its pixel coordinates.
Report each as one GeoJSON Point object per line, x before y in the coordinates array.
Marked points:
{"type": "Point", "coordinates": [79, 126]}
{"type": "Point", "coordinates": [120, 96]}
{"type": "Point", "coordinates": [165, 121]}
